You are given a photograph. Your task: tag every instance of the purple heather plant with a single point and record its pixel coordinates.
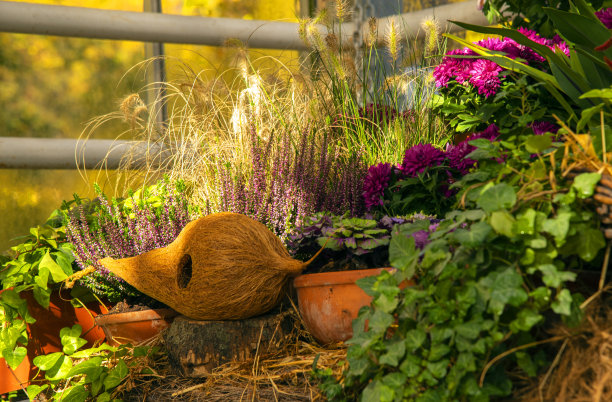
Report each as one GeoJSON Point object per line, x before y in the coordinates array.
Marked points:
{"type": "Point", "coordinates": [116, 229]}
{"type": "Point", "coordinates": [288, 183]}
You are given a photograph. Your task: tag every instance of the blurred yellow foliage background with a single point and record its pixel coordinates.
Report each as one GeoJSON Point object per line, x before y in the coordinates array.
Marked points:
{"type": "Point", "coordinates": [52, 86]}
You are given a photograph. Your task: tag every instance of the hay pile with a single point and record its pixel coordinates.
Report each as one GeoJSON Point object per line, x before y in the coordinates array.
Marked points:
{"type": "Point", "coordinates": [281, 375]}
{"type": "Point", "coordinates": [582, 370]}
{"type": "Point", "coordinates": [223, 266]}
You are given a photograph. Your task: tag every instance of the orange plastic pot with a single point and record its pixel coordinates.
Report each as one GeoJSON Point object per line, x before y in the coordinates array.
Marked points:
{"type": "Point", "coordinates": [330, 301]}
{"type": "Point", "coordinates": [135, 326]}
{"type": "Point", "coordinates": [43, 335]}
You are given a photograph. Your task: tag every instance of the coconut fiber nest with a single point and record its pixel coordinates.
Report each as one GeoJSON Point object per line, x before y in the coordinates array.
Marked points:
{"type": "Point", "coordinates": [223, 266]}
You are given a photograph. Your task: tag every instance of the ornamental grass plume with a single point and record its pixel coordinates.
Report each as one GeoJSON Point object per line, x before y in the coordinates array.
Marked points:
{"type": "Point", "coordinates": [126, 228]}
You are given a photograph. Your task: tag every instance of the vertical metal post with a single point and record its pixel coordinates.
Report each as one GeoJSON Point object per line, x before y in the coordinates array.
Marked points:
{"type": "Point", "coordinates": [156, 77]}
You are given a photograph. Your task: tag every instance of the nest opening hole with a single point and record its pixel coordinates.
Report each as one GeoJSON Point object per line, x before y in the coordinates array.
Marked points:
{"type": "Point", "coordinates": [184, 271]}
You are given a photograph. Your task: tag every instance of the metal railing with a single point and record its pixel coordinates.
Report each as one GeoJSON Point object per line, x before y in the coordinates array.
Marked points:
{"type": "Point", "coordinates": [42, 19]}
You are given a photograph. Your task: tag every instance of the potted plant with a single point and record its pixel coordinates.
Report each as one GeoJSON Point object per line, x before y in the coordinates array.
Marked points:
{"type": "Point", "coordinates": [35, 308]}
{"type": "Point", "coordinates": [149, 218]}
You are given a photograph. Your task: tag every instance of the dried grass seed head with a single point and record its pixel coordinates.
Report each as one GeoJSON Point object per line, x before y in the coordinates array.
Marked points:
{"type": "Point", "coordinates": [393, 40]}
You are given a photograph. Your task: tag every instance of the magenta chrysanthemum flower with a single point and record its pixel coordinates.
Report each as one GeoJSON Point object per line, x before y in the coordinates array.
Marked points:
{"type": "Point", "coordinates": [541, 127]}
{"type": "Point", "coordinates": [453, 68]}
{"type": "Point", "coordinates": [420, 157]}
{"type": "Point", "coordinates": [456, 154]}
{"type": "Point", "coordinates": [605, 16]}
{"type": "Point", "coordinates": [375, 183]}
{"type": "Point", "coordinates": [484, 76]}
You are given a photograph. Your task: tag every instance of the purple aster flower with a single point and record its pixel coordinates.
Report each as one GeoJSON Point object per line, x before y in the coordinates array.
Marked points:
{"type": "Point", "coordinates": [375, 183]}
{"type": "Point", "coordinates": [605, 16]}
{"type": "Point", "coordinates": [484, 76]}
{"type": "Point", "coordinates": [420, 157]}
{"type": "Point", "coordinates": [541, 127]}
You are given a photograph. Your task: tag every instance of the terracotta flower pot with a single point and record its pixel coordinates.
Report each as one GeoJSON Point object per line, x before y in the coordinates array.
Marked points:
{"type": "Point", "coordinates": [330, 301]}
{"type": "Point", "coordinates": [43, 335]}
{"type": "Point", "coordinates": [134, 326]}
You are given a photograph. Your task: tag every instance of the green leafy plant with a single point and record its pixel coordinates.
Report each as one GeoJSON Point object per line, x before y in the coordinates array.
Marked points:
{"type": "Point", "coordinates": [77, 374]}
{"type": "Point", "coordinates": [527, 13]}
{"type": "Point", "coordinates": [573, 81]}
{"type": "Point", "coordinates": [39, 264]}
{"type": "Point", "coordinates": [491, 276]}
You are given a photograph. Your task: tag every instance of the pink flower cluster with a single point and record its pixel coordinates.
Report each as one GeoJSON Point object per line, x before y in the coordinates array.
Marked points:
{"type": "Point", "coordinates": [484, 74]}
{"type": "Point", "coordinates": [416, 160]}
{"type": "Point", "coordinates": [605, 16]}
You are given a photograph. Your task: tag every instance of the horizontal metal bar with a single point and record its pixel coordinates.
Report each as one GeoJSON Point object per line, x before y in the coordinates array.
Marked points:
{"type": "Point", "coordinates": [410, 23]}
{"type": "Point", "coordinates": [84, 22]}
{"type": "Point", "coordinates": [56, 153]}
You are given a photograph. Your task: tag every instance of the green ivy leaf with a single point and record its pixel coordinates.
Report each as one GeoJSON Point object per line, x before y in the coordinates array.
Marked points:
{"type": "Point", "coordinates": [57, 273]}
{"type": "Point", "coordinates": [34, 390]}
{"type": "Point", "coordinates": [411, 366]}
{"type": "Point", "coordinates": [42, 278]}
{"type": "Point", "coordinates": [592, 240]}
{"type": "Point", "coordinates": [505, 288]}
{"type": "Point", "coordinates": [525, 222]}
{"type": "Point", "coordinates": [525, 320]}
{"type": "Point", "coordinates": [14, 357]}
{"type": "Point", "coordinates": [563, 303]}
{"type": "Point", "coordinates": [116, 375]}
{"type": "Point", "coordinates": [78, 393]}
{"type": "Point", "coordinates": [585, 184]}
{"type": "Point", "coordinates": [473, 236]}
{"type": "Point", "coordinates": [499, 196]}
{"type": "Point", "coordinates": [71, 340]}
{"type": "Point", "coordinates": [46, 362]}
{"type": "Point", "coordinates": [42, 296]}
{"type": "Point", "coordinates": [376, 391]}
{"type": "Point", "coordinates": [60, 369]}
{"type": "Point", "coordinates": [526, 363]}
{"type": "Point", "coordinates": [395, 352]}
{"type": "Point", "coordinates": [438, 351]}
{"type": "Point", "coordinates": [538, 143]}
{"type": "Point", "coordinates": [91, 367]}
{"type": "Point", "coordinates": [553, 277]}
{"type": "Point", "coordinates": [380, 321]}
{"type": "Point", "coordinates": [558, 227]}
{"type": "Point", "coordinates": [438, 369]}
{"type": "Point", "coordinates": [414, 339]}
{"type": "Point", "coordinates": [502, 222]}
{"type": "Point", "coordinates": [402, 253]}
{"type": "Point", "coordinates": [103, 397]}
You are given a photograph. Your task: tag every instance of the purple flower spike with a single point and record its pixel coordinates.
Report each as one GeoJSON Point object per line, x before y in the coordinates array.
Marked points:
{"type": "Point", "coordinates": [375, 183]}
{"type": "Point", "coordinates": [420, 157]}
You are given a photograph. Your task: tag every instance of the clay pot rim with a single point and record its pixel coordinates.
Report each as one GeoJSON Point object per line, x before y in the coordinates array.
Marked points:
{"type": "Point", "coordinates": [336, 277]}
{"type": "Point", "coordinates": [135, 316]}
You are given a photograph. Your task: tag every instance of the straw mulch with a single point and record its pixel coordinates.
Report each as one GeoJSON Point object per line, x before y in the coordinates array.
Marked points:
{"type": "Point", "coordinates": [582, 369]}
{"type": "Point", "coordinates": [281, 375]}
